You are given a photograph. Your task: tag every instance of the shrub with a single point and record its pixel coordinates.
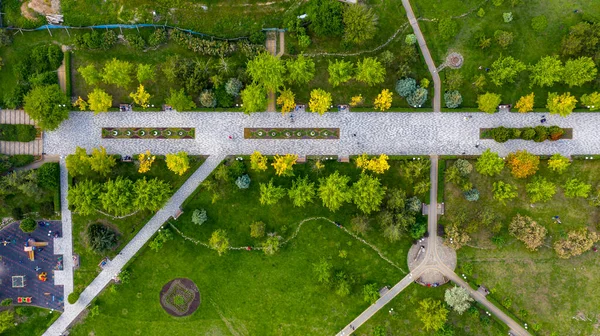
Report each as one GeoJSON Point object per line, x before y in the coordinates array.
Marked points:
{"type": "Point", "coordinates": [21, 160]}
{"type": "Point", "coordinates": [386, 58]}
{"type": "Point", "coordinates": [501, 134]}
{"type": "Point", "coordinates": [18, 132]}
{"type": "Point", "coordinates": [508, 17]}
{"type": "Point", "coordinates": [413, 204]}
{"type": "Point", "coordinates": [528, 133]}
{"type": "Point", "coordinates": [577, 188]}
{"type": "Point", "coordinates": [199, 216]}
{"type": "Point", "coordinates": [541, 134]}
{"type": "Point", "coordinates": [453, 99]}
{"type": "Point", "coordinates": [417, 98]}
{"type": "Point", "coordinates": [539, 23]}
{"type": "Point", "coordinates": [540, 189]}
{"type": "Point", "coordinates": [136, 41]}
{"type": "Point", "coordinates": [515, 133]}
{"type": "Point", "coordinates": [158, 37]}
{"type": "Point", "coordinates": [28, 225]}
{"type": "Point", "coordinates": [73, 297]}
{"type": "Point", "coordinates": [481, 12]}
{"type": "Point", "coordinates": [6, 302]}
{"type": "Point", "coordinates": [257, 229]}
{"type": "Point", "coordinates": [410, 39]}
{"type": "Point", "coordinates": [464, 167]}
{"type": "Point", "coordinates": [555, 132]}
{"type": "Point", "coordinates": [233, 87]}
{"type": "Point", "coordinates": [406, 86]}
{"type": "Point", "coordinates": [207, 99]}
{"type": "Point", "coordinates": [472, 195]}
{"type": "Point", "coordinates": [243, 182]}
{"type": "Point", "coordinates": [101, 238]}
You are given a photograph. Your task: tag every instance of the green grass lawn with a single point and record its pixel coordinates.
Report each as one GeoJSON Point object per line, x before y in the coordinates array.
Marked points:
{"type": "Point", "coordinates": [249, 292]}
{"type": "Point", "coordinates": [31, 321]}
{"type": "Point", "coordinates": [127, 227]}
{"type": "Point", "coordinates": [550, 290]}
{"type": "Point", "coordinates": [528, 46]}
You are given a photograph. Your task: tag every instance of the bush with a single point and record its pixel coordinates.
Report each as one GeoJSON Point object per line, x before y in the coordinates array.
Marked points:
{"type": "Point", "coordinates": [199, 216]}
{"type": "Point", "coordinates": [18, 132]}
{"type": "Point", "coordinates": [406, 86]}
{"type": "Point", "coordinates": [501, 134]}
{"type": "Point", "coordinates": [515, 133]}
{"type": "Point", "coordinates": [207, 99]}
{"type": "Point", "coordinates": [541, 134]}
{"type": "Point", "coordinates": [21, 160]}
{"type": "Point", "coordinates": [6, 302]}
{"type": "Point", "coordinates": [539, 23]}
{"type": "Point", "coordinates": [136, 41]}
{"type": "Point", "coordinates": [417, 98]}
{"type": "Point", "coordinates": [555, 132]}
{"type": "Point", "coordinates": [243, 182]}
{"type": "Point", "coordinates": [101, 238]}
{"type": "Point", "coordinates": [464, 167]}
{"type": "Point", "coordinates": [233, 87]}
{"type": "Point", "coordinates": [48, 175]}
{"type": "Point", "coordinates": [528, 133]}
{"type": "Point", "coordinates": [257, 229]}
{"type": "Point", "coordinates": [472, 195]}
{"type": "Point", "coordinates": [28, 225]}
{"type": "Point", "coordinates": [158, 37]}
{"type": "Point", "coordinates": [453, 99]}
{"type": "Point", "coordinates": [258, 37]}
{"type": "Point", "coordinates": [410, 39]}
{"type": "Point", "coordinates": [73, 297]}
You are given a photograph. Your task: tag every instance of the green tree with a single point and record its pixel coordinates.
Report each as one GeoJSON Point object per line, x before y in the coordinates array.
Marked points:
{"type": "Point", "coordinates": [371, 293]}
{"type": "Point", "coordinates": [90, 74]}
{"type": "Point", "coordinates": [558, 163]}
{"type": "Point", "coordinates": [79, 162]}
{"type": "Point", "coordinates": [117, 72]}
{"type": "Point", "coordinates": [458, 298]}
{"type": "Point", "coordinates": [562, 104]}
{"type": "Point", "coordinates": [540, 189]}
{"type": "Point", "coordinates": [118, 196]}
{"type": "Point", "coordinates": [271, 245]}
{"type": "Point", "coordinates": [539, 23]}
{"type": "Point", "coordinates": [453, 99]}
{"type": "Point", "coordinates": [101, 238]}
{"type": "Point", "coordinates": [179, 101]}
{"type": "Point", "coordinates": [302, 191]}
{"type": "Point", "coordinates": [326, 17]}
{"type": "Point", "coordinates": [266, 70]}
{"type": "Point", "coordinates": [406, 86]}
{"type": "Point", "coordinates": [504, 191]}
{"type": "Point", "coordinates": [546, 72]}
{"type": "Point", "coordinates": [28, 225]}
{"type": "Point", "coordinates": [489, 163]}
{"type": "Point", "coordinates": [7, 320]}
{"type": "Point", "coordinates": [322, 270]}
{"type": "Point", "coordinates": [505, 70]}
{"type": "Point", "coordinates": [360, 224]}
{"type": "Point", "coordinates": [254, 98]}
{"type": "Point", "coordinates": [360, 23]}
{"type": "Point", "coordinates": [488, 102]}
{"type": "Point", "coordinates": [163, 236]}
{"type": "Point", "coordinates": [340, 72]}
{"type": "Point", "coordinates": [591, 101]}
{"type": "Point", "coordinates": [219, 242]}
{"type": "Point", "coordinates": [579, 71]}
{"type": "Point", "coordinates": [100, 162]}
{"type": "Point", "coordinates": [447, 28]}
{"type": "Point", "coordinates": [334, 191]}
{"type": "Point", "coordinates": [257, 229]}
{"type": "Point", "coordinates": [417, 98]}
{"type": "Point", "coordinates": [432, 313]}
{"type": "Point", "coordinates": [503, 38]}
{"type": "Point", "coordinates": [151, 194]}
{"type": "Point", "coordinates": [99, 101]}
{"type": "Point", "coordinates": [300, 70]}
{"type": "Point", "coordinates": [367, 193]}
{"type": "Point", "coordinates": [47, 105]}
{"type": "Point", "coordinates": [141, 97]}
{"type": "Point", "coordinates": [199, 216]}
{"type": "Point", "coordinates": [145, 73]}
{"type": "Point", "coordinates": [270, 194]}
{"type": "Point", "coordinates": [577, 188]}
{"type": "Point", "coordinates": [370, 71]}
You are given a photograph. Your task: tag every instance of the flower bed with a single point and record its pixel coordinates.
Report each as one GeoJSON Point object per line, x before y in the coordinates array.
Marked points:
{"type": "Point", "coordinates": [291, 133]}
{"type": "Point", "coordinates": [537, 134]}
{"type": "Point", "coordinates": [148, 133]}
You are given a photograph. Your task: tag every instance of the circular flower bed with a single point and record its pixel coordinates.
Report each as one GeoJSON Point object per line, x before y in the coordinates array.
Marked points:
{"type": "Point", "coordinates": [180, 297]}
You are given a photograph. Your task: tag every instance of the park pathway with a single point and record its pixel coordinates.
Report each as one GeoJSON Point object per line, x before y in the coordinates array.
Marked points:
{"type": "Point", "coordinates": [437, 84]}
{"type": "Point", "coordinates": [116, 265]}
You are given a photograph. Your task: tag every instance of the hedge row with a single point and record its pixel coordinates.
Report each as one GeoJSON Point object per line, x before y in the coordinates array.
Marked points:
{"type": "Point", "coordinates": [537, 134]}
{"type": "Point", "coordinates": [22, 133]}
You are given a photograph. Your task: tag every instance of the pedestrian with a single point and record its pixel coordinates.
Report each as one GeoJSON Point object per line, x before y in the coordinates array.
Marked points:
{"type": "Point", "coordinates": [543, 120]}
{"type": "Point", "coordinates": [477, 145]}
{"type": "Point", "coordinates": [230, 137]}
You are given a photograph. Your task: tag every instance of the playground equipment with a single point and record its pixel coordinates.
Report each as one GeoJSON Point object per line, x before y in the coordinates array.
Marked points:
{"type": "Point", "coordinates": [43, 276]}
{"type": "Point", "coordinates": [30, 247]}
{"type": "Point", "coordinates": [24, 299]}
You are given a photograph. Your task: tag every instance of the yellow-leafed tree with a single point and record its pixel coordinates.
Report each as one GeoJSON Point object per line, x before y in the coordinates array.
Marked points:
{"type": "Point", "coordinates": [320, 101]}
{"type": "Point", "coordinates": [284, 165]}
{"type": "Point", "coordinates": [178, 163]}
{"type": "Point", "coordinates": [146, 160]}
{"type": "Point", "coordinates": [82, 104]}
{"type": "Point", "coordinates": [140, 97]}
{"type": "Point", "coordinates": [286, 101]}
{"type": "Point", "coordinates": [258, 161]}
{"type": "Point", "coordinates": [99, 100]}
{"type": "Point", "coordinates": [384, 100]}
{"type": "Point", "coordinates": [356, 100]}
{"type": "Point", "coordinates": [377, 165]}
{"type": "Point", "coordinates": [525, 103]}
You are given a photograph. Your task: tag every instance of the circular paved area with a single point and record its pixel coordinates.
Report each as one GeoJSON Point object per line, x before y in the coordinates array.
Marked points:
{"type": "Point", "coordinates": [187, 290]}
{"type": "Point", "coordinates": [417, 253]}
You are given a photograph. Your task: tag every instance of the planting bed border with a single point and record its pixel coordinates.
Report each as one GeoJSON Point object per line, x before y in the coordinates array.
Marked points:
{"type": "Point", "coordinates": [292, 133]}
{"type": "Point", "coordinates": [567, 135]}
{"type": "Point", "coordinates": [170, 290]}
{"type": "Point", "coordinates": [148, 133]}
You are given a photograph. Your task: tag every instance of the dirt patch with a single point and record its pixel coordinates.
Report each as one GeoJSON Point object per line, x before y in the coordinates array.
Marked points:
{"type": "Point", "coordinates": [180, 297]}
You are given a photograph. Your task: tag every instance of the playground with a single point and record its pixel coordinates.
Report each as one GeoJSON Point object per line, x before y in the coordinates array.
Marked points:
{"type": "Point", "coordinates": [27, 264]}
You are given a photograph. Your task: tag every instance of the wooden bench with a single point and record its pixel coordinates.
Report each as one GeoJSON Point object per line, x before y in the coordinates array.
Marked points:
{"type": "Point", "coordinates": [345, 159]}
{"type": "Point", "coordinates": [301, 159]}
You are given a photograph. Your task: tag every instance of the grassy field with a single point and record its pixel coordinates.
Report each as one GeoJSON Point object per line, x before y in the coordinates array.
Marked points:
{"type": "Point", "coordinates": [31, 321]}
{"type": "Point", "coordinates": [550, 290]}
{"type": "Point", "coordinates": [250, 292]}
{"type": "Point", "coordinates": [559, 13]}
{"type": "Point", "coordinates": [127, 227]}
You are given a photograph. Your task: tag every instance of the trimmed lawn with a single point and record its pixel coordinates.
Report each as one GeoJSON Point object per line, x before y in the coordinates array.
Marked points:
{"type": "Point", "coordinates": [528, 46]}
{"type": "Point", "coordinates": [250, 292]}
{"type": "Point", "coordinates": [127, 227]}
{"type": "Point", "coordinates": [544, 289]}
{"type": "Point", "coordinates": [31, 321]}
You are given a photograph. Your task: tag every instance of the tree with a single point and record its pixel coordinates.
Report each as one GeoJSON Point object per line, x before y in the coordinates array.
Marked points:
{"type": "Point", "coordinates": [525, 103]}
{"type": "Point", "coordinates": [489, 163]}
{"type": "Point", "coordinates": [410, 39]}
{"type": "Point", "coordinates": [28, 225]}
{"type": "Point", "coordinates": [540, 190]}
{"type": "Point", "coordinates": [523, 164]}
{"type": "Point", "coordinates": [118, 196]}
{"type": "Point", "coordinates": [471, 195]}
{"type": "Point", "coordinates": [270, 194]}
{"type": "Point", "coordinates": [90, 74]}
{"type": "Point", "coordinates": [117, 72]}
{"type": "Point", "coordinates": [591, 101]}
{"type": "Point", "coordinates": [417, 98]}
{"type": "Point", "coordinates": [505, 69]}
{"type": "Point", "coordinates": [539, 23]}
{"type": "Point", "coordinates": [258, 161]}
{"type": "Point", "coordinates": [47, 105]}
{"type": "Point", "coordinates": [199, 216]}
{"type": "Point", "coordinates": [384, 100]}
{"type": "Point", "coordinates": [140, 97]}
{"type": "Point", "coordinates": [377, 165]}
{"type": "Point", "coordinates": [322, 270]}
{"type": "Point", "coordinates": [579, 71]}
{"type": "Point", "coordinates": [243, 181]}
{"type": "Point", "coordinates": [79, 162]}
{"type": "Point", "coordinates": [558, 163]}
{"type": "Point", "coordinates": [218, 241]}
{"type": "Point", "coordinates": [371, 293]}
{"type": "Point", "coordinates": [163, 236]}
{"type": "Point", "coordinates": [356, 100]}
{"type": "Point", "coordinates": [334, 191]}
{"type": "Point", "coordinates": [320, 101]}
{"type": "Point", "coordinates": [488, 102]}
{"type": "Point", "coordinates": [266, 70]}
{"type": "Point", "coordinates": [577, 188]}
{"type": "Point", "coordinates": [340, 72]}
{"type": "Point", "coordinates": [284, 165]}
{"type": "Point", "coordinates": [447, 28]}
{"type": "Point", "coordinates": [150, 194]}
{"type": "Point", "coordinates": [286, 100]}
{"type": "Point", "coordinates": [254, 98]}
{"type": "Point", "coordinates": [503, 38]}
{"type": "Point", "coordinates": [504, 191]}
{"type": "Point", "coordinates": [100, 162]}
{"type": "Point", "coordinates": [326, 17]}
{"type": "Point", "coordinates": [464, 167]}
{"type": "Point", "coordinates": [302, 191]}
{"type": "Point", "coordinates": [146, 160]}
{"type": "Point", "coordinates": [421, 187]}
{"type": "Point", "coordinates": [367, 193]}
{"type": "Point", "coordinates": [360, 224]}
{"type": "Point", "coordinates": [300, 70]}
{"type": "Point", "coordinates": [432, 313]}
{"type": "Point", "coordinates": [508, 17]}
{"type": "Point", "coordinates": [178, 163]}
{"type": "Point", "coordinates": [547, 71]}
{"type": "Point", "coordinates": [454, 80]}
{"type": "Point", "coordinates": [360, 23]}
{"type": "Point", "coordinates": [406, 86]}
{"type": "Point", "coordinates": [48, 176]}
{"type": "Point", "coordinates": [455, 236]}
{"type": "Point", "coordinates": [257, 229]}
{"type": "Point", "coordinates": [99, 101]}
{"type": "Point", "coordinates": [145, 73]}
{"type": "Point", "coordinates": [7, 320]}
{"type": "Point", "coordinates": [208, 99]}
{"type": "Point", "coordinates": [577, 242]}
{"type": "Point", "coordinates": [453, 99]}
{"type": "Point", "coordinates": [179, 101]}
{"type": "Point", "coordinates": [271, 245]}
{"type": "Point", "coordinates": [458, 298]}
{"type": "Point", "coordinates": [528, 231]}
{"type": "Point", "coordinates": [370, 71]}
{"type": "Point", "coordinates": [233, 87]}
{"type": "Point", "coordinates": [101, 238]}
{"type": "Point", "coordinates": [562, 104]}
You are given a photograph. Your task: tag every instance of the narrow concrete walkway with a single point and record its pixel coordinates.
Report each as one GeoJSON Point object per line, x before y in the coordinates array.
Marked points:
{"type": "Point", "coordinates": [116, 265]}
{"type": "Point", "coordinates": [37, 164]}
{"type": "Point", "coordinates": [437, 84]}
{"type": "Point", "coordinates": [271, 45]}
